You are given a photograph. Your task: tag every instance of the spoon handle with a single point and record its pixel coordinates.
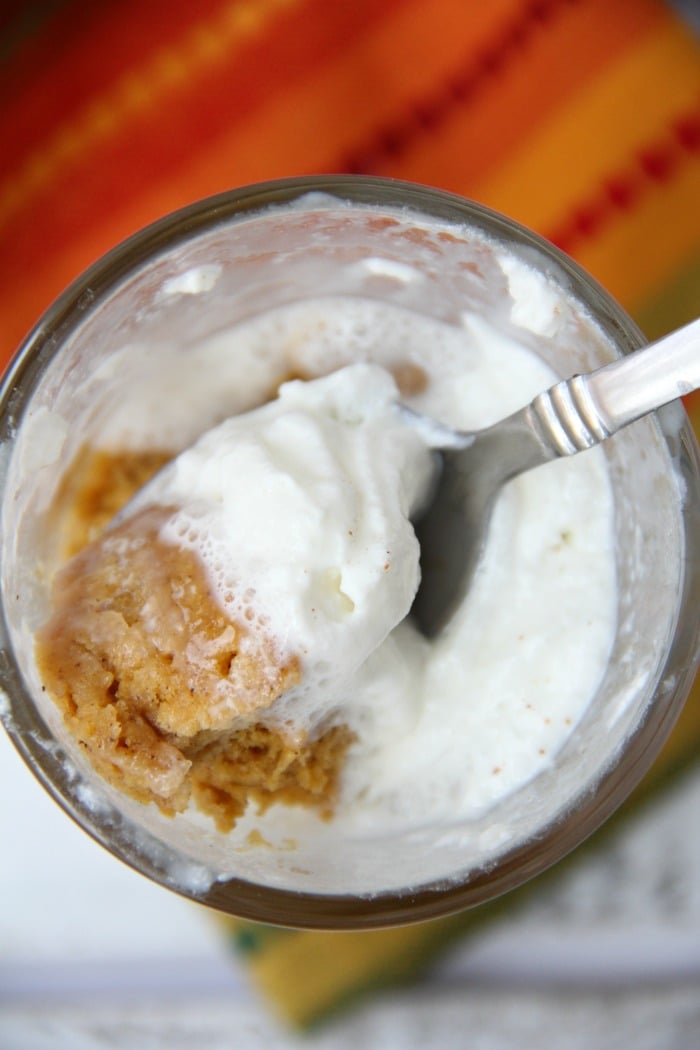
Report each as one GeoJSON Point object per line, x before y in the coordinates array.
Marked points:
{"type": "Point", "coordinates": [582, 411]}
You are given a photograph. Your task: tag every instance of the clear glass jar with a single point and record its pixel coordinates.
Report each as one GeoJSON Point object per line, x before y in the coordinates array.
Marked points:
{"type": "Point", "coordinates": [123, 334]}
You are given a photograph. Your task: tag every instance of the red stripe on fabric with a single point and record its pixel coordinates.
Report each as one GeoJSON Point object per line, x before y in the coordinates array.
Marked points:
{"type": "Point", "coordinates": [76, 55]}
{"type": "Point", "coordinates": [16, 19]}
{"type": "Point", "coordinates": [462, 88]}
{"type": "Point", "coordinates": [164, 139]}
{"type": "Point", "coordinates": [655, 165]}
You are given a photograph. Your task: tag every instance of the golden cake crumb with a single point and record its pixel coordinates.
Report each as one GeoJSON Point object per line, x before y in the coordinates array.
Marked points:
{"type": "Point", "coordinates": [169, 697]}
{"type": "Point", "coordinates": [96, 487]}
{"type": "Point", "coordinates": [410, 378]}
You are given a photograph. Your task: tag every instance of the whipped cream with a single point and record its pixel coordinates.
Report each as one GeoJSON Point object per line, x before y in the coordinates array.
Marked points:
{"type": "Point", "coordinates": [300, 511]}
{"type": "Point", "coordinates": [465, 746]}
{"type": "Point", "coordinates": [444, 729]}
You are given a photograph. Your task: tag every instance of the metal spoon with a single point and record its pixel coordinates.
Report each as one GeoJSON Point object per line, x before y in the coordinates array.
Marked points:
{"type": "Point", "coordinates": [571, 416]}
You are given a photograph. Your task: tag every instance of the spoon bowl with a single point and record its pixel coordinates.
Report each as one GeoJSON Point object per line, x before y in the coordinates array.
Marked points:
{"type": "Point", "coordinates": [572, 416]}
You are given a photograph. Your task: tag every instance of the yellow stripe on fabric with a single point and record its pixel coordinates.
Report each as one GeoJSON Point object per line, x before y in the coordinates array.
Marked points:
{"type": "Point", "coordinates": [597, 131]}
{"type": "Point", "coordinates": [307, 133]}
{"type": "Point", "coordinates": [675, 304]}
{"type": "Point", "coordinates": [635, 255]}
{"type": "Point", "coordinates": [682, 748]}
{"type": "Point", "coordinates": [320, 117]}
{"type": "Point", "coordinates": [137, 91]}
{"type": "Point", "coordinates": [528, 82]}
{"type": "Point", "coordinates": [309, 974]}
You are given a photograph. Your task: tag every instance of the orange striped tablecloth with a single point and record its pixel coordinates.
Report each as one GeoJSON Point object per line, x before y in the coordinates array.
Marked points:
{"type": "Point", "coordinates": [580, 118]}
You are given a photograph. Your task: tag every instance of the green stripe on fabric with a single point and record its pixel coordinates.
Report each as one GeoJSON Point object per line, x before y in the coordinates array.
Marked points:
{"type": "Point", "coordinates": [677, 303]}
{"type": "Point", "coordinates": [308, 977]}
{"type": "Point", "coordinates": [251, 938]}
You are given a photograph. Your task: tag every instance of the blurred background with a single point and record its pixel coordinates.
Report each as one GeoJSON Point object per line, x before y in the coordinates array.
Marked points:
{"type": "Point", "coordinates": [579, 118]}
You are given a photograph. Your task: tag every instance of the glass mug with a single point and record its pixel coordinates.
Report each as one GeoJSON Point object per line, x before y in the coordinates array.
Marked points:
{"type": "Point", "coordinates": [124, 333]}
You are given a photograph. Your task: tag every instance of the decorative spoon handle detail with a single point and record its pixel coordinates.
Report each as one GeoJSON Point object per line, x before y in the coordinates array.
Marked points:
{"type": "Point", "coordinates": [582, 411]}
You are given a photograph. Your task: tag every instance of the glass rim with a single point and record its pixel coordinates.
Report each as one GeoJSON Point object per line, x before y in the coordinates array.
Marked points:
{"type": "Point", "coordinates": [305, 909]}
